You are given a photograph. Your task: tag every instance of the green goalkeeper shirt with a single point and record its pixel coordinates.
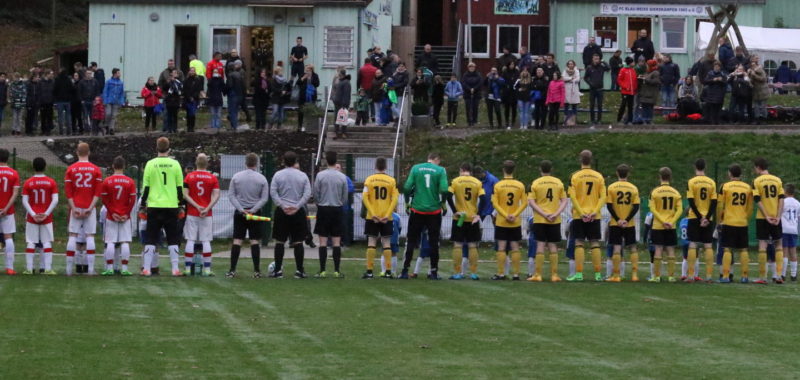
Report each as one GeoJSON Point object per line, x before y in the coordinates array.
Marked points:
{"type": "Point", "coordinates": [425, 184]}
{"type": "Point", "coordinates": [163, 180]}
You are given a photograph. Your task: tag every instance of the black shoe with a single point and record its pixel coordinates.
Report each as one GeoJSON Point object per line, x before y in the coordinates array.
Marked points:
{"type": "Point", "coordinates": [78, 269]}
{"type": "Point", "coordinates": [154, 271]}
{"type": "Point", "coordinates": [368, 275]}
{"type": "Point", "coordinates": [230, 274]}
{"type": "Point", "coordinates": [515, 278]}
{"type": "Point", "coordinates": [403, 275]}
{"type": "Point", "coordinates": [278, 274]}
{"type": "Point", "coordinates": [310, 242]}
{"type": "Point", "coordinates": [256, 274]}
{"type": "Point", "coordinates": [434, 276]}
{"type": "Point", "coordinates": [498, 277]}
{"type": "Point", "coordinates": [299, 274]}
{"type": "Point", "coordinates": [794, 278]}
{"type": "Point", "coordinates": [387, 274]}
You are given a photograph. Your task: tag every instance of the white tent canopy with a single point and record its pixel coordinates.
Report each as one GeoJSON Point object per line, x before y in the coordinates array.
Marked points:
{"type": "Point", "coordinates": [769, 43]}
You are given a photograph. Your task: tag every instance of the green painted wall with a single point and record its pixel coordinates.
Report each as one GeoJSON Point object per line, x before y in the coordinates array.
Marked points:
{"type": "Point", "coordinates": [786, 9]}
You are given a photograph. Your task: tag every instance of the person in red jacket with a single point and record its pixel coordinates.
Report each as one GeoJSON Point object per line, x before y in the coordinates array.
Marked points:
{"type": "Point", "coordinates": [628, 86]}
{"type": "Point", "coordinates": [366, 74]}
{"type": "Point", "coordinates": [98, 115]}
{"type": "Point", "coordinates": [215, 63]}
{"type": "Point", "coordinates": [151, 94]}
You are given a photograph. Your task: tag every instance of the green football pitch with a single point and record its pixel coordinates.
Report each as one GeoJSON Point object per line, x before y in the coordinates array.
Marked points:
{"type": "Point", "coordinates": [163, 327]}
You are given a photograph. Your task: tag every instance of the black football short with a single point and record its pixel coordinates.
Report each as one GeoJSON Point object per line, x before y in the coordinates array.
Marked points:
{"type": "Point", "coordinates": [666, 238]}
{"type": "Point", "coordinates": [735, 237]}
{"type": "Point", "coordinates": [243, 228]}
{"type": "Point", "coordinates": [329, 221]}
{"type": "Point", "coordinates": [289, 227]}
{"type": "Point", "coordinates": [766, 231]}
{"type": "Point", "coordinates": [507, 233]}
{"type": "Point", "coordinates": [547, 233]}
{"type": "Point", "coordinates": [581, 230]}
{"type": "Point", "coordinates": [621, 236]}
{"type": "Point", "coordinates": [467, 233]}
{"type": "Point", "coordinates": [698, 234]}
{"type": "Point", "coordinates": [162, 218]}
{"type": "Point", "coordinates": [373, 229]}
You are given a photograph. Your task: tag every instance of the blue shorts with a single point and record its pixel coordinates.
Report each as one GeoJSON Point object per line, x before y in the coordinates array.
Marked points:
{"type": "Point", "coordinates": [789, 240]}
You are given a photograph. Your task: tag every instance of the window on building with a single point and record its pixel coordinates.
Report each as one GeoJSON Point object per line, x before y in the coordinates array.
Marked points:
{"type": "Point", "coordinates": [478, 41]}
{"type": "Point", "coordinates": [224, 39]}
{"type": "Point", "coordinates": [538, 39]}
{"type": "Point", "coordinates": [697, 22]}
{"type": "Point", "coordinates": [338, 46]}
{"type": "Point", "coordinates": [509, 36]}
{"type": "Point", "coordinates": [770, 67]}
{"type": "Point", "coordinates": [637, 24]}
{"type": "Point", "coordinates": [605, 31]}
{"type": "Point", "coordinates": [673, 35]}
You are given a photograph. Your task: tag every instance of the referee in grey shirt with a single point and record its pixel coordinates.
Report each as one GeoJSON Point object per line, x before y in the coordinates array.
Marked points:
{"type": "Point", "coordinates": [248, 193]}
{"type": "Point", "coordinates": [290, 191]}
{"type": "Point", "coordinates": [330, 194]}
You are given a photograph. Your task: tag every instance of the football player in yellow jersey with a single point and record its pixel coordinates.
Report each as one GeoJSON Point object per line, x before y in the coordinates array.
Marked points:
{"type": "Point", "coordinates": [702, 197]}
{"type": "Point", "coordinates": [666, 206]}
{"type": "Point", "coordinates": [467, 191]}
{"type": "Point", "coordinates": [735, 204]}
{"type": "Point", "coordinates": [587, 191]}
{"type": "Point", "coordinates": [623, 204]}
{"type": "Point", "coordinates": [768, 196]}
{"type": "Point", "coordinates": [547, 199]}
{"type": "Point", "coordinates": [508, 200]}
{"type": "Point", "coordinates": [380, 200]}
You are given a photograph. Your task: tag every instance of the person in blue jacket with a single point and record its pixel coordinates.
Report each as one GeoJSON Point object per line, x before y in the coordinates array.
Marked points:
{"type": "Point", "coordinates": [113, 98]}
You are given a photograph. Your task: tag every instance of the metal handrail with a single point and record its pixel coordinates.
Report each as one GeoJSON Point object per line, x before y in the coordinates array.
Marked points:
{"type": "Point", "coordinates": [322, 134]}
{"type": "Point", "coordinates": [456, 69]}
{"type": "Point", "coordinates": [400, 121]}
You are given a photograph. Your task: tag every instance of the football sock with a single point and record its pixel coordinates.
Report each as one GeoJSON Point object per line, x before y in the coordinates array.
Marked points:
{"type": "Point", "coordinates": [596, 259]}
{"type": "Point", "coordinates": [383, 264]}
{"type": "Point", "coordinates": [621, 267]}
{"type": "Point", "coordinates": [579, 258]}
{"type": "Point", "coordinates": [299, 257]}
{"type": "Point", "coordinates": [323, 257]}
{"type": "Point", "coordinates": [464, 265]}
{"type": "Point", "coordinates": [553, 264]}
{"type": "Point", "coordinates": [188, 254]}
{"type": "Point", "coordinates": [684, 268]}
{"type": "Point", "coordinates": [457, 259]}
{"type": "Point", "coordinates": [71, 246]}
{"type": "Point", "coordinates": [726, 263]}
{"type": "Point", "coordinates": [387, 259]}
{"type": "Point", "coordinates": [696, 267]}
{"type": "Point", "coordinates": [779, 260]}
{"type": "Point", "coordinates": [125, 255]}
{"type": "Point", "coordinates": [744, 261]}
{"type": "Point", "coordinates": [709, 258]}
{"type": "Point", "coordinates": [147, 256]}
{"type": "Point", "coordinates": [394, 263]}
{"type": "Point", "coordinates": [793, 268]}
{"type": "Point", "coordinates": [371, 259]}
{"type": "Point", "coordinates": [501, 262]}
{"type": "Point", "coordinates": [279, 251]}
{"type": "Point", "coordinates": [418, 264]}
{"type": "Point", "coordinates": [508, 264]}
{"type": "Point", "coordinates": [90, 251]}
{"type": "Point", "coordinates": [762, 263]}
{"type": "Point", "coordinates": [635, 263]}
{"type": "Point", "coordinates": [337, 258]}
{"type": "Point", "coordinates": [692, 259]}
{"type": "Point", "coordinates": [9, 253]}
{"type": "Point", "coordinates": [609, 267]}
{"type": "Point", "coordinates": [70, 264]}
{"type": "Point", "coordinates": [532, 264]}
{"type": "Point", "coordinates": [255, 254]}
{"type": "Point", "coordinates": [154, 257]}
{"type": "Point", "coordinates": [173, 256]}
{"type": "Point", "coordinates": [652, 269]}
{"type": "Point", "coordinates": [785, 265]}
{"type": "Point", "coordinates": [572, 267]}
{"type": "Point", "coordinates": [771, 268]}
{"type": "Point", "coordinates": [206, 254]}
{"type": "Point", "coordinates": [539, 263]}
{"type": "Point", "coordinates": [29, 252]}
{"type": "Point", "coordinates": [108, 255]}
{"type": "Point", "coordinates": [671, 266]}
{"type": "Point", "coordinates": [657, 267]}
{"type": "Point", "coordinates": [515, 262]}
{"type": "Point", "coordinates": [48, 256]}
{"type": "Point", "coordinates": [473, 260]}
{"type": "Point", "coordinates": [237, 249]}
{"type": "Point", "coordinates": [615, 260]}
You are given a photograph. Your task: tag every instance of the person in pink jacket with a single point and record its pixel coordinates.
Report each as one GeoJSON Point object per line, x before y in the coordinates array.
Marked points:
{"type": "Point", "coordinates": [556, 94]}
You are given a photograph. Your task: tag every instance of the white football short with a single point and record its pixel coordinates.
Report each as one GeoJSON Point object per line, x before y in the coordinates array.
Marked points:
{"type": "Point", "coordinates": [86, 225]}
{"type": "Point", "coordinates": [117, 232]}
{"type": "Point", "coordinates": [38, 233]}
{"type": "Point", "coordinates": [8, 225]}
{"type": "Point", "coordinates": [198, 229]}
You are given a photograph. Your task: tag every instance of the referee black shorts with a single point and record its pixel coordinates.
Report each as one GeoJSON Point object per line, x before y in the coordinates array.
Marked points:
{"type": "Point", "coordinates": [766, 231]}
{"type": "Point", "coordinates": [293, 228]}
{"type": "Point", "coordinates": [695, 233]}
{"type": "Point", "coordinates": [621, 236]}
{"type": "Point", "coordinates": [329, 221]}
{"type": "Point", "coordinates": [162, 218]}
{"type": "Point", "coordinates": [243, 228]}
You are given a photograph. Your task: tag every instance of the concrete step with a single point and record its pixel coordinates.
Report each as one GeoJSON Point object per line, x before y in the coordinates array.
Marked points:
{"type": "Point", "coordinates": [367, 138]}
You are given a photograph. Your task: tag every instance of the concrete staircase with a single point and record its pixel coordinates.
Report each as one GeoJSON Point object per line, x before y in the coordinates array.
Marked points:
{"type": "Point", "coordinates": [444, 55]}
{"type": "Point", "coordinates": [370, 141]}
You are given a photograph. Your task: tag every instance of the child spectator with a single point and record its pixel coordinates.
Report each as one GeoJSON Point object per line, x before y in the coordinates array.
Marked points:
{"type": "Point", "coordinates": [453, 91]}
{"type": "Point", "coordinates": [98, 114]}
{"type": "Point", "coordinates": [555, 99]}
{"type": "Point", "coordinates": [362, 107]}
{"type": "Point", "coordinates": [151, 94]}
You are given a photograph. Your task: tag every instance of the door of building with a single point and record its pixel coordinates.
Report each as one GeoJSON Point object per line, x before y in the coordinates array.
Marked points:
{"type": "Point", "coordinates": [635, 24]}
{"type": "Point", "coordinates": [307, 32]}
{"type": "Point", "coordinates": [112, 47]}
{"type": "Point", "coordinates": [185, 45]}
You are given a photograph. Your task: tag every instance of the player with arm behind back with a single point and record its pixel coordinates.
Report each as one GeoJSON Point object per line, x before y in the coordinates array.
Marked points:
{"type": "Point", "coordinates": [547, 199]}
{"type": "Point", "coordinates": [9, 191]}
{"type": "Point", "coordinates": [39, 197]}
{"type": "Point", "coordinates": [791, 208]}
{"type": "Point", "coordinates": [768, 196]}
{"type": "Point", "coordinates": [666, 205]}
{"type": "Point", "coordinates": [464, 196]}
{"type": "Point", "coordinates": [118, 193]}
{"type": "Point", "coordinates": [82, 182]}
{"type": "Point", "coordinates": [587, 191]}
{"type": "Point", "coordinates": [623, 205]}
{"type": "Point", "coordinates": [380, 200]}
{"type": "Point", "coordinates": [201, 192]}
{"type": "Point", "coordinates": [509, 200]}
{"type": "Point", "coordinates": [735, 204]}
{"type": "Point", "coordinates": [702, 197]}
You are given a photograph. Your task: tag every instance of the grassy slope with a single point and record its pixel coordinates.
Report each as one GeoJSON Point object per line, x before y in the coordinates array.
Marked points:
{"type": "Point", "coordinates": [181, 328]}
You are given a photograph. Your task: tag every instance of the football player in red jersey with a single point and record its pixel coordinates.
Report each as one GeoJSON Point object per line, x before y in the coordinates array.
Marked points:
{"type": "Point", "coordinates": [9, 191]}
{"type": "Point", "coordinates": [119, 196]}
{"type": "Point", "coordinates": [201, 192]}
{"type": "Point", "coordinates": [40, 197]}
{"type": "Point", "coordinates": [82, 182]}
